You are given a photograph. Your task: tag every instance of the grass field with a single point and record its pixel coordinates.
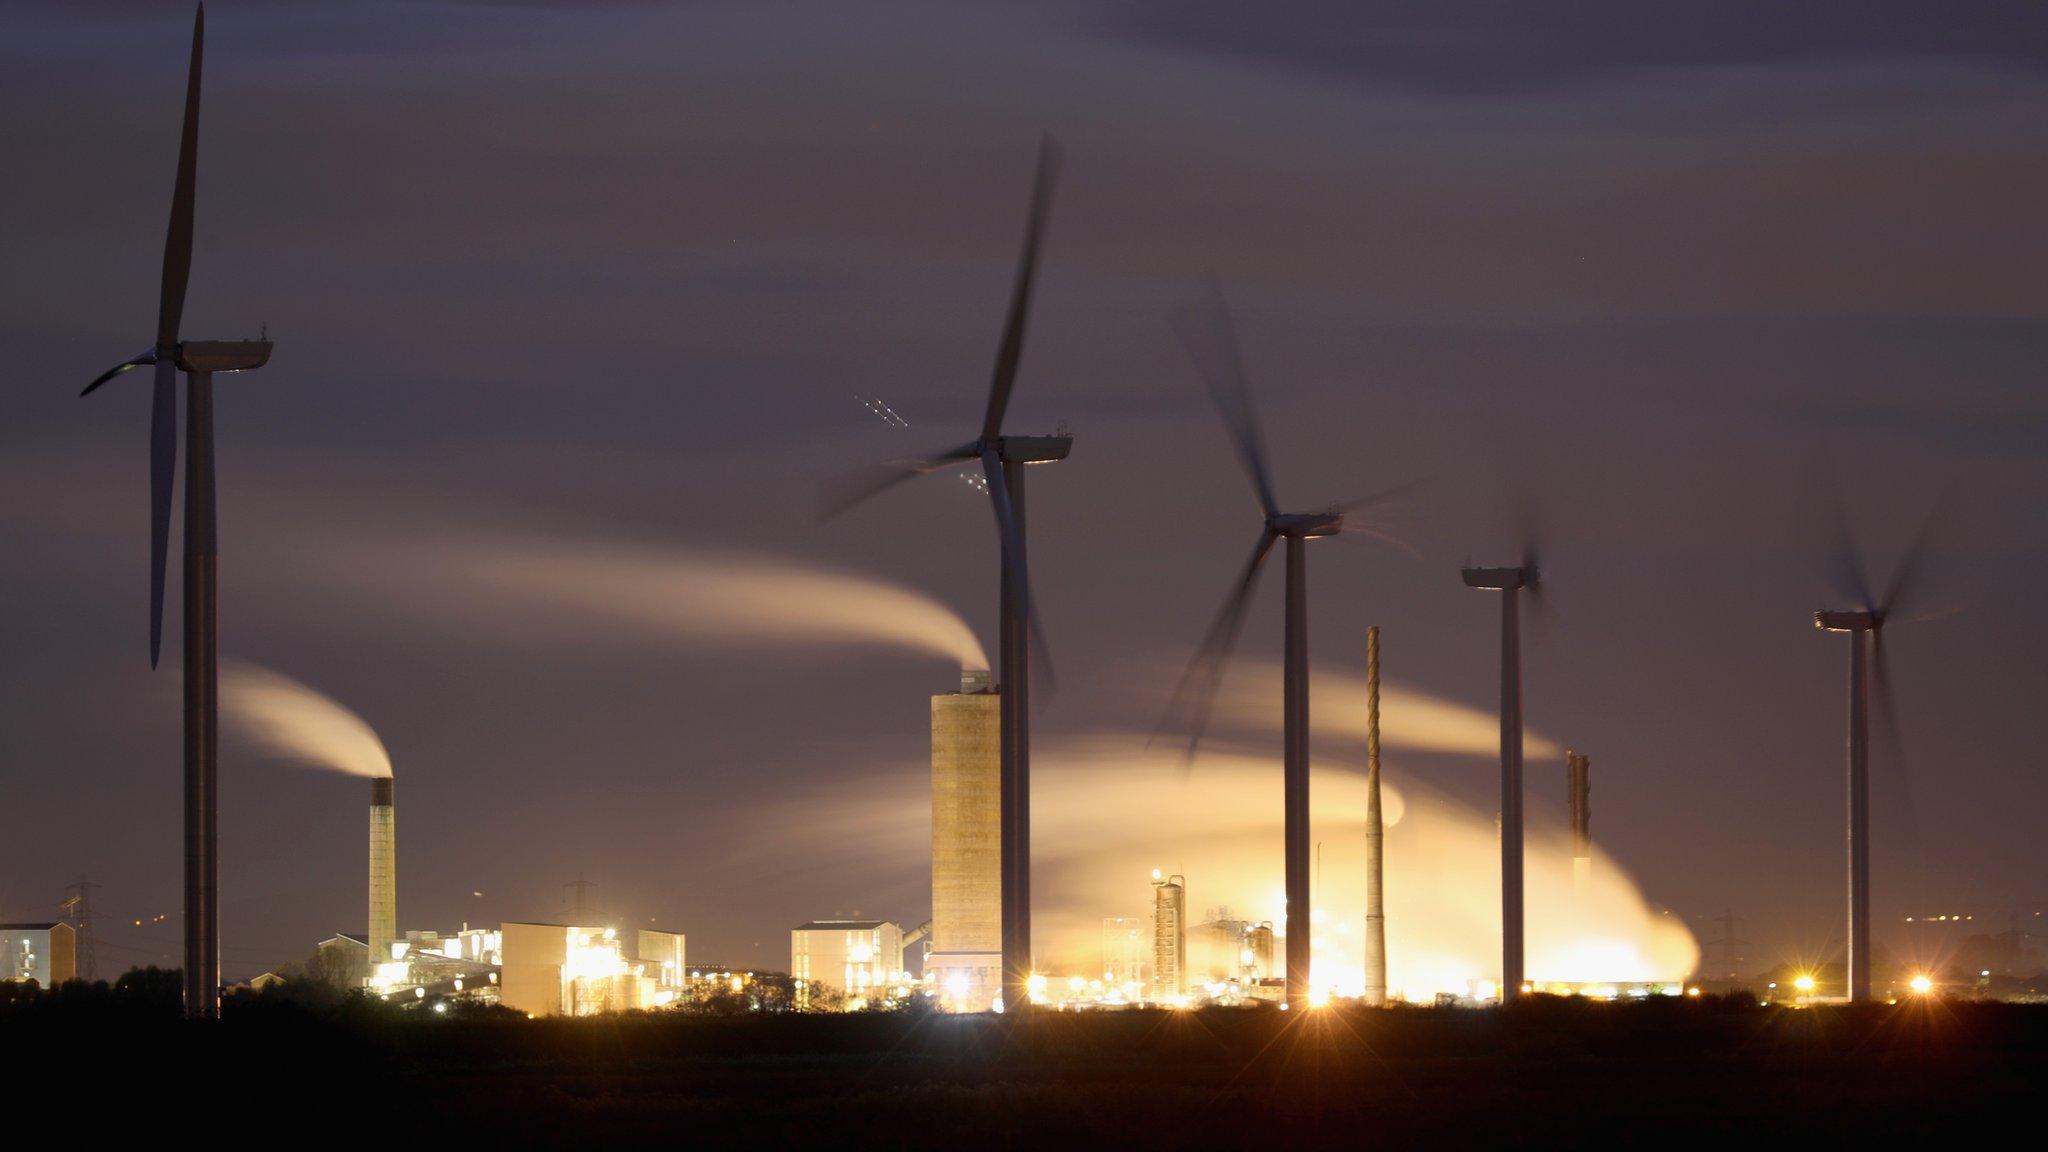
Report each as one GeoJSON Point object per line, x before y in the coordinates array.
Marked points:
{"type": "Point", "coordinates": [1546, 1073]}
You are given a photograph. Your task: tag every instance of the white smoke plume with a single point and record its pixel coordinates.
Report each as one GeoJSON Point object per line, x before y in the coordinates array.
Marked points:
{"type": "Point", "coordinates": [1249, 699]}
{"type": "Point", "coordinates": [282, 719]}
{"type": "Point", "coordinates": [1105, 812]}
{"type": "Point", "coordinates": [560, 587]}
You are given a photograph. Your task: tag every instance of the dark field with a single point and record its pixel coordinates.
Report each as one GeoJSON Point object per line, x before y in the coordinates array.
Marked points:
{"type": "Point", "coordinates": [1547, 1073]}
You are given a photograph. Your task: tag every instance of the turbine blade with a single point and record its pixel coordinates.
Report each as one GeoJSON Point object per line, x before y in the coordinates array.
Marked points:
{"type": "Point", "coordinates": [1205, 329]}
{"type": "Point", "coordinates": [870, 482]}
{"type": "Point", "coordinates": [137, 361]}
{"type": "Point", "coordinates": [1188, 711]}
{"type": "Point", "coordinates": [1017, 561]}
{"type": "Point", "coordinates": [1386, 495]}
{"type": "Point", "coordinates": [163, 471]}
{"type": "Point", "coordinates": [1908, 576]}
{"type": "Point", "coordinates": [1356, 534]}
{"type": "Point", "coordinates": [178, 239]}
{"type": "Point", "coordinates": [1012, 348]}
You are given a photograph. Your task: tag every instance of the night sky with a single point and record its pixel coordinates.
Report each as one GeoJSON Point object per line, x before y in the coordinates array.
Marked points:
{"type": "Point", "coordinates": [623, 274]}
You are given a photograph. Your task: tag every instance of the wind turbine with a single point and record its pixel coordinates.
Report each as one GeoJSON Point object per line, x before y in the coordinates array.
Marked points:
{"type": "Point", "coordinates": [1222, 371]}
{"type": "Point", "coordinates": [199, 360]}
{"type": "Point", "coordinates": [1003, 460]}
{"type": "Point", "coordinates": [1865, 626]}
{"type": "Point", "coordinates": [1510, 583]}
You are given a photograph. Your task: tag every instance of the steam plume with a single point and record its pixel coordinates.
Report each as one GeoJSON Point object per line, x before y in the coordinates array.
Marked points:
{"type": "Point", "coordinates": [559, 586]}
{"type": "Point", "coordinates": [285, 720]}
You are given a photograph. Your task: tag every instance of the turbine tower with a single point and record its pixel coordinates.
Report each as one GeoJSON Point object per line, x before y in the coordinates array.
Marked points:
{"type": "Point", "coordinates": [1214, 349]}
{"type": "Point", "coordinates": [1865, 627]}
{"type": "Point", "coordinates": [199, 360]}
{"type": "Point", "coordinates": [1510, 583]}
{"type": "Point", "coordinates": [1003, 460]}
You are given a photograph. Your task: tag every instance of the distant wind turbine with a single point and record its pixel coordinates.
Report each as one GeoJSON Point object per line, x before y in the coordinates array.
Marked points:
{"type": "Point", "coordinates": [1865, 625]}
{"type": "Point", "coordinates": [199, 360]}
{"type": "Point", "coordinates": [1206, 330]}
{"type": "Point", "coordinates": [1003, 460]}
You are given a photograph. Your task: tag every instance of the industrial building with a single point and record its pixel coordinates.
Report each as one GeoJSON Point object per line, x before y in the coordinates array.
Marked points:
{"type": "Point", "coordinates": [573, 970]}
{"type": "Point", "coordinates": [1169, 937]}
{"type": "Point", "coordinates": [1126, 943]}
{"type": "Point", "coordinates": [965, 963]}
{"type": "Point", "coordinates": [862, 959]}
{"type": "Point", "coordinates": [44, 953]}
{"type": "Point", "coordinates": [1222, 949]}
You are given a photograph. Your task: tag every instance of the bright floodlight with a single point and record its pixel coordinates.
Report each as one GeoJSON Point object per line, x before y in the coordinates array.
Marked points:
{"type": "Point", "coordinates": [1921, 985]}
{"type": "Point", "coordinates": [1804, 983]}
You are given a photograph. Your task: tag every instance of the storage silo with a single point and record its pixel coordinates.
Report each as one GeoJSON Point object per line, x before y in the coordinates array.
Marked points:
{"type": "Point", "coordinates": [966, 959]}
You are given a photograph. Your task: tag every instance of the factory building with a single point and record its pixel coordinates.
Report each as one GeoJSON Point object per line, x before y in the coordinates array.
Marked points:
{"type": "Point", "coordinates": [572, 970]}
{"type": "Point", "coordinates": [44, 953]}
{"type": "Point", "coordinates": [863, 959]}
{"type": "Point", "coordinates": [1223, 949]}
{"type": "Point", "coordinates": [965, 963]}
{"type": "Point", "coordinates": [1126, 942]}
{"type": "Point", "coordinates": [1169, 936]}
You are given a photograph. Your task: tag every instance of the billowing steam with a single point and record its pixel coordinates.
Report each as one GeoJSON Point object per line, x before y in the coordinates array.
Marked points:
{"type": "Point", "coordinates": [282, 719]}
{"type": "Point", "coordinates": [1249, 700]}
{"type": "Point", "coordinates": [550, 585]}
{"type": "Point", "coordinates": [1105, 813]}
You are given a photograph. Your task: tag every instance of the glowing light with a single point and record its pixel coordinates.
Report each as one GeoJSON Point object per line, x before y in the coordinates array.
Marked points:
{"type": "Point", "coordinates": [1319, 997]}
{"type": "Point", "coordinates": [1804, 983]}
{"type": "Point", "coordinates": [1921, 985]}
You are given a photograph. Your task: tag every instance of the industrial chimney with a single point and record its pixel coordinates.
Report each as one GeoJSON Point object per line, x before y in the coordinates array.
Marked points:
{"type": "Point", "coordinates": [383, 873]}
{"type": "Point", "coordinates": [1579, 787]}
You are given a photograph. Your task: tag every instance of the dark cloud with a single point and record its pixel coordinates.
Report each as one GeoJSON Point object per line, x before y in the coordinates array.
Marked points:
{"type": "Point", "coordinates": [626, 274]}
{"type": "Point", "coordinates": [1501, 47]}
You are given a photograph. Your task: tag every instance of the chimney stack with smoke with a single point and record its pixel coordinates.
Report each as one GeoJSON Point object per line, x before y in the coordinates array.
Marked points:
{"type": "Point", "coordinates": [383, 872]}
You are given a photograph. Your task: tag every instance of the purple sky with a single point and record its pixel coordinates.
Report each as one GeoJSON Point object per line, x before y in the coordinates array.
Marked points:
{"type": "Point", "coordinates": [623, 272]}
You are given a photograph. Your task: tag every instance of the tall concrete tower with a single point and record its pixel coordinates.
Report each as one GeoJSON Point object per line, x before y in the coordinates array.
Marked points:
{"type": "Point", "coordinates": [383, 872]}
{"type": "Point", "coordinates": [966, 960]}
{"type": "Point", "coordinates": [1579, 787]}
{"type": "Point", "coordinates": [1169, 936]}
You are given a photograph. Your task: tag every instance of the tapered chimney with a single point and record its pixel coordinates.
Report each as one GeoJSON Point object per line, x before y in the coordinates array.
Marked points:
{"type": "Point", "coordinates": [383, 873]}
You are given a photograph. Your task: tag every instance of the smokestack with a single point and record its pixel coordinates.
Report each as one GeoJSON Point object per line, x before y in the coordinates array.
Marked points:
{"type": "Point", "coordinates": [1375, 832]}
{"type": "Point", "coordinates": [1579, 787]}
{"type": "Point", "coordinates": [383, 872]}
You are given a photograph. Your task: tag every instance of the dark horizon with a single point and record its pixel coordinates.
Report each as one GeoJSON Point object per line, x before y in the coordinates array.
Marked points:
{"type": "Point", "coordinates": [561, 278]}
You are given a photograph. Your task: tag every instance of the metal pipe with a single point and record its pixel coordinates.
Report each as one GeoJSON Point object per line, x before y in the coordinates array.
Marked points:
{"type": "Point", "coordinates": [1859, 817]}
{"type": "Point", "coordinates": [1375, 832]}
{"type": "Point", "coordinates": [1014, 783]}
{"type": "Point", "coordinates": [1296, 812]}
{"type": "Point", "coordinates": [1510, 795]}
{"type": "Point", "coordinates": [202, 711]}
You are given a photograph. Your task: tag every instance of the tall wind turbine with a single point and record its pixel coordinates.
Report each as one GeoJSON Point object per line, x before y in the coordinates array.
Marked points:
{"type": "Point", "coordinates": [199, 360]}
{"type": "Point", "coordinates": [1865, 625]}
{"type": "Point", "coordinates": [1214, 348]}
{"type": "Point", "coordinates": [1510, 583]}
{"type": "Point", "coordinates": [1003, 460]}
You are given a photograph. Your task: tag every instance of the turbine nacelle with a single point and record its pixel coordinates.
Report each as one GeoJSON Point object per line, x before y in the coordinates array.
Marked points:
{"type": "Point", "coordinates": [1031, 449]}
{"type": "Point", "coordinates": [1305, 525]}
{"type": "Point", "coordinates": [1500, 579]}
{"type": "Point", "coordinates": [1848, 621]}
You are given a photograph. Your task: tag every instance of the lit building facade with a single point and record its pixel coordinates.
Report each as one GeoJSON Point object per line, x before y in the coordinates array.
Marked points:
{"type": "Point", "coordinates": [571, 970]}
{"type": "Point", "coordinates": [44, 953]}
{"type": "Point", "coordinates": [863, 959]}
{"type": "Point", "coordinates": [965, 964]}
